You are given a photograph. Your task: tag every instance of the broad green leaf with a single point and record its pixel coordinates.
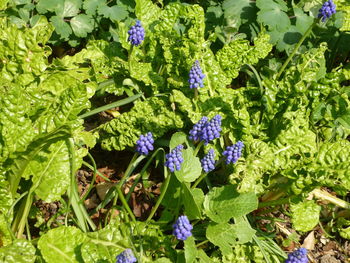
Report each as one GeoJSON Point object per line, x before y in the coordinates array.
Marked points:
{"type": "Point", "coordinates": [191, 167]}
{"type": "Point", "coordinates": [81, 25]}
{"type": "Point", "coordinates": [162, 260]}
{"type": "Point", "coordinates": [240, 52]}
{"type": "Point", "coordinates": [193, 201]}
{"type": "Point", "coordinates": [69, 8]}
{"type": "Point", "coordinates": [62, 244]}
{"type": "Point", "coordinates": [343, 227]}
{"type": "Point", "coordinates": [203, 257]}
{"type": "Point", "coordinates": [3, 4]}
{"type": "Point", "coordinates": [91, 6]}
{"type": "Point", "coordinates": [190, 250]}
{"type": "Point", "coordinates": [223, 203]}
{"type": "Point", "coordinates": [226, 235]}
{"type": "Point", "coordinates": [5, 228]}
{"type": "Point", "coordinates": [43, 6]}
{"type": "Point", "coordinates": [343, 5]}
{"type": "Point", "coordinates": [104, 245]}
{"type": "Point", "coordinates": [51, 168]}
{"type": "Point", "coordinates": [18, 166]}
{"type": "Point", "coordinates": [303, 20]}
{"type": "Point", "coordinates": [272, 13]}
{"type": "Point", "coordinates": [152, 115]}
{"type": "Point", "coordinates": [146, 12]}
{"type": "Point", "coordinates": [305, 215]}
{"type": "Point", "coordinates": [114, 12]}
{"type": "Point", "coordinates": [20, 251]}
{"type": "Point", "coordinates": [233, 10]}
{"type": "Point", "coordinates": [61, 27]}
{"type": "Point", "coordinates": [29, 50]}
{"type": "Point", "coordinates": [177, 139]}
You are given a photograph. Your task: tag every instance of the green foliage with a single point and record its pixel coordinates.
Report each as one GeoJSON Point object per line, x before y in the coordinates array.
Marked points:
{"type": "Point", "coordinates": [223, 203]}
{"type": "Point", "coordinates": [62, 243]}
{"type": "Point", "coordinates": [305, 215]}
{"type": "Point", "coordinates": [191, 167]}
{"type": "Point", "coordinates": [239, 52]}
{"type": "Point", "coordinates": [150, 115]}
{"type": "Point", "coordinates": [20, 251]}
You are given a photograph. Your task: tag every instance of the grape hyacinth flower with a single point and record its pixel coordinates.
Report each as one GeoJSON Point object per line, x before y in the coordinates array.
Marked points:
{"type": "Point", "coordinates": [196, 76]}
{"type": "Point", "coordinates": [182, 228]}
{"type": "Point", "coordinates": [298, 256]}
{"type": "Point", "coordinates": [126, 257]}
{"type": "Point", "coordinates": [174, 159]}
{"type": "Point", "coordinates": [233, 152]}
{"type": "Point", "coordinates": [211, 129]}
{"type": "Point", "coordinates": [208, 162]}
{"type": "Point", "coordinates": [145, 144]}
{"type": "Point", "coordinates": [136, 34]}
{"type": "Point", "coordinates": [195, 133]}
{"type": "Point", "coordinates": [327, 10]}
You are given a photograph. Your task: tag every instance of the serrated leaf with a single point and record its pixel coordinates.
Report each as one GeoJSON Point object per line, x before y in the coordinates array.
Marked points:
{"type": "Point", "coordinates": [223, 203]}
{"type": "Point", "coordinates": [69, 8]}
{"type": "Point", "coordinates": [191, 168]}
{"type": "Point", "coordinates": [81, 25]}
{"type": "Point", "coordinates": [43, 6]}
{"type": "Point", "coordinates": [91, 6]}
{"type": "Point", "coordinates": [62, 244]}
{"type": "Point", "coordinates": [61, 27]}
{"type": "Point", "coordinates": [305, 215]}
{"type": "Point", "coordinates": [226, 235]}
{"type": "Point", "coordinates": [20, 251]}
{"type": "Point", "coordinates": [193, 201]}
{"type": "Point", "coordinates": [273, 14]}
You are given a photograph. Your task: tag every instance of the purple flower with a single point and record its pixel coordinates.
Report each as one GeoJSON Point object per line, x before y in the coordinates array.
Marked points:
{"type": "Point", "coordinates": [136, 34]}
{"type": "Point", "coordinates": [233, 152]}
{"type": "Point", "coordinates": [182, 228]}
{"type": "Point", "coordinates": [126, 257]}
{"type": "Point", "coordinates": [327, 10]}
{"type": "Point", "coordinates": [298, 256]}
{"type": "Point", "coordinates": [196, 76]}
{"type": "Point", "coordinates": [205, 130]}
{"type": "Point", "coordinates": [145, 144]}
{"type": "Point", "coordinates": [174, 159]}
{"type": "Point", "coordinates": [208, 162]}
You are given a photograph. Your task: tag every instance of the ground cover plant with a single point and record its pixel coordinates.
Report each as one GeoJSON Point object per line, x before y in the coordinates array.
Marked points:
{"type": "Point", "coordinates": [174, 131]}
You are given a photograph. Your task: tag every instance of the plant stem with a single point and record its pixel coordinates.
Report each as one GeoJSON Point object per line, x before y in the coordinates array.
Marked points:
{"type": "Point", "coordinates": [199, 180]}
{"type": "Point", "coordinates": [200, 144]}
{"type": "Point", "coordinates": [306, 34]}
{"type": "Point", "coordinates": [323, 195]}
{"type": "Point", "coordinates": [274, 202]}
{"type": "Point", "coordinates": [162, 194]}
{"type": "Point", "coordinates": [195, 94]}
{"type": "Point", "coordinates": [125, 204]}
{"type": "Point", "coordinates": [105, 84]}
{"type": "Point", "coordinates": [202, 243]}
{"type": "Point", "coordinates": [110, 106]}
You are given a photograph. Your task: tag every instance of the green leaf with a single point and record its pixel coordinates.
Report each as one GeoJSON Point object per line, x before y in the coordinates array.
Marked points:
{"type": "Point", "coordinates": [51, 167]}
{"type": "Point", "coordinates": [190, 250]}
{"type": "Point", "coordinates": [233, 10]}
{"type": "Point", "coordinates": [20, 251]}
{"type": "Point", "coordinates": [5, 228]}
{"type": "Point", "coordinates": [61, 27]}
{"type": "Point", "coordinates": [226, 235]}
{"type": "Point", "coordinates": [272, 13]}
{"type": "Point", "coordinates": [191, 167]}
{"type": "Point", "coordinates": [114, 12]}
{"type": "Point", "coordinates": [240, 52]}
{"type": "Point", "coordinates": [304, 21]}
{"type": "Point", "coordinates": [305, 215]}
{"type": "Point", "coordinates": [193, 201]}
{"type": "Point", "coordinates": [104, 245]}
{"type": "Point", "coordinates": [81, 25]}
{"type": "Point", "coordinates": [146, 11]}
{"type": "Point", "coordinates": [152, 115]}
{"type": "Point", "coordinates": [44, 6]}
{"type": "Point", "coordinates": [223, 203]}
{"type": "Point", "coordinates": [177, 139]}
{"type": "Point", "coordinates": [62, 244]}
{"type": "Point", "coordinates": [91, 6]}
{"type": "Point", "coordinates": [69, 8]}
